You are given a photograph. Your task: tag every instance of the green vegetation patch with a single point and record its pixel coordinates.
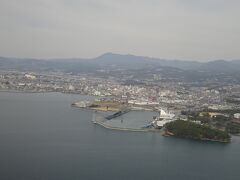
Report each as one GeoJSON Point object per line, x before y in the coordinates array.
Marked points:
{"type": "Point", "coordinates": [188, 129]}
{"type": "Point", "coordinates": [233, 128]}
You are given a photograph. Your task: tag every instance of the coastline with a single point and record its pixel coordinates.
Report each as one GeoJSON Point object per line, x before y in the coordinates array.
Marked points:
{"type": "Point", "coordinates": [17, 91]}
{"type": "Point", "coordinates": [124, 129]}
{"type": "Point", "coordinates": [169, 133]}
{"type": "Point", "coordinates": [165, 134]}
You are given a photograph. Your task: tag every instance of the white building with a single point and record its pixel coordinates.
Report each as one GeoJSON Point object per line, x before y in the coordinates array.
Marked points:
{"type": "Point", "coordinates": [237, 115]}
{"type": "Point", "coordinates": [164, 117]}
{"type": "Point", "coordinates": [30, 76]}
{"type": "Point", "coordinates": [71, 88]}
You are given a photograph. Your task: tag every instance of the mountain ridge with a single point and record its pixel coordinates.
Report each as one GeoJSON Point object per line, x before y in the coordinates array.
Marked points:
{"type": "Point", "coordinates": [113, 60]}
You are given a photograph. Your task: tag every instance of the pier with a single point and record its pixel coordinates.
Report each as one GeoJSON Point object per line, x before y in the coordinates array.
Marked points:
{"type": "Point", "coordinates": [117, 114]}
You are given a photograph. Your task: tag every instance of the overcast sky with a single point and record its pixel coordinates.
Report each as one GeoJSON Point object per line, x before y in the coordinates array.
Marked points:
{"type": "Point", "coordinates": [174, 29]}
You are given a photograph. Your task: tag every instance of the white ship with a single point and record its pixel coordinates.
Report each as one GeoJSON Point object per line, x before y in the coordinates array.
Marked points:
{"type": "Point", "coordinates": [164, 117]}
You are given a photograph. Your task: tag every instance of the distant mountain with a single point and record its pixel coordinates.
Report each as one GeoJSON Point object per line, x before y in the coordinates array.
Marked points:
{"type": "Point", "coordinates": [115, 61]}
{"type": "Point", "coordinates": [221, 66]}
{"type": "Point", "coordinates": [135, 61]}
{"type": "Point", "coordinates": [132, 61]}
{"type": "Point", "coordinates": [66, 65]}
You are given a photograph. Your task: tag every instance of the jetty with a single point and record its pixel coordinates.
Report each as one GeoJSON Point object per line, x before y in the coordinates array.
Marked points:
{"type": "Point", "coordinates": [117, 114]}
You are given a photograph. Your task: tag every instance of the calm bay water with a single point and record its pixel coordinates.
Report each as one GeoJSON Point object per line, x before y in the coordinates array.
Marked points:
{"type": "Point", "coordinates": [43, 137]}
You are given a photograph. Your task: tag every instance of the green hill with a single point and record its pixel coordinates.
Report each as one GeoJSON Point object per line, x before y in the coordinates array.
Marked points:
{"type": "Point", "coordinates": [188, 129]}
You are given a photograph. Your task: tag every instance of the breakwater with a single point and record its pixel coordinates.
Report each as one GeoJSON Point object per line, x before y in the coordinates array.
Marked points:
{"type": "Point", "coordinates": [101, 121]}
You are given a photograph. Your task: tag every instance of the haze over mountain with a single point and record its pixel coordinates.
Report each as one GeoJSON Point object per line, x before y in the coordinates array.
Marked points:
{"type": "Point", "coordinates": [111, 60]}
{"type": "Point", "coordinates": [184, 29]}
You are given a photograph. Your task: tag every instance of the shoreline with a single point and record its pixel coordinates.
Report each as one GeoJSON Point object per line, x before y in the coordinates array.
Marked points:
{"type": "Point", "coordinates": [119, 128]}
{"type": "Point", "coordinates": [30, 92]}
{"type": "Point", "coordinates": [124, 129]}
{"type": "Point", "coordinates": [164, 134]}
{"type": "Point", "coordinates": [170, 134]}
{"type": "Point", "coordinates": [33, 92]}
{"type": "Point", "coordinates": [41, 92]}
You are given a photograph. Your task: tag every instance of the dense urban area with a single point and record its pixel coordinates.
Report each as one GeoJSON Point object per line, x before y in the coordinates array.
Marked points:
{"type": "Point", "coordinates": [211, 100]}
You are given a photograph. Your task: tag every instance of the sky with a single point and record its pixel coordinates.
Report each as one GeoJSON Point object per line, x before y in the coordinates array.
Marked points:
{"type": "Point", "coordinates": [172, 29]}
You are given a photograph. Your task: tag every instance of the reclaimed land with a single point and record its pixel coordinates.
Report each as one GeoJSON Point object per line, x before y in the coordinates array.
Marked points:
{"type": "Point", "coordinates": [188, 129]}
{"type": "Point", "coordinates": [106, 106]}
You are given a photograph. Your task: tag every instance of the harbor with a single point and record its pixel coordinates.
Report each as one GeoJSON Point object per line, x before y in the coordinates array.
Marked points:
{"type": "Point", "coordinates": [128, 120]}
{"type": "Point", "coordinates": [127, 117]}
{"type": "Point", "coordinates": [169, 123]}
